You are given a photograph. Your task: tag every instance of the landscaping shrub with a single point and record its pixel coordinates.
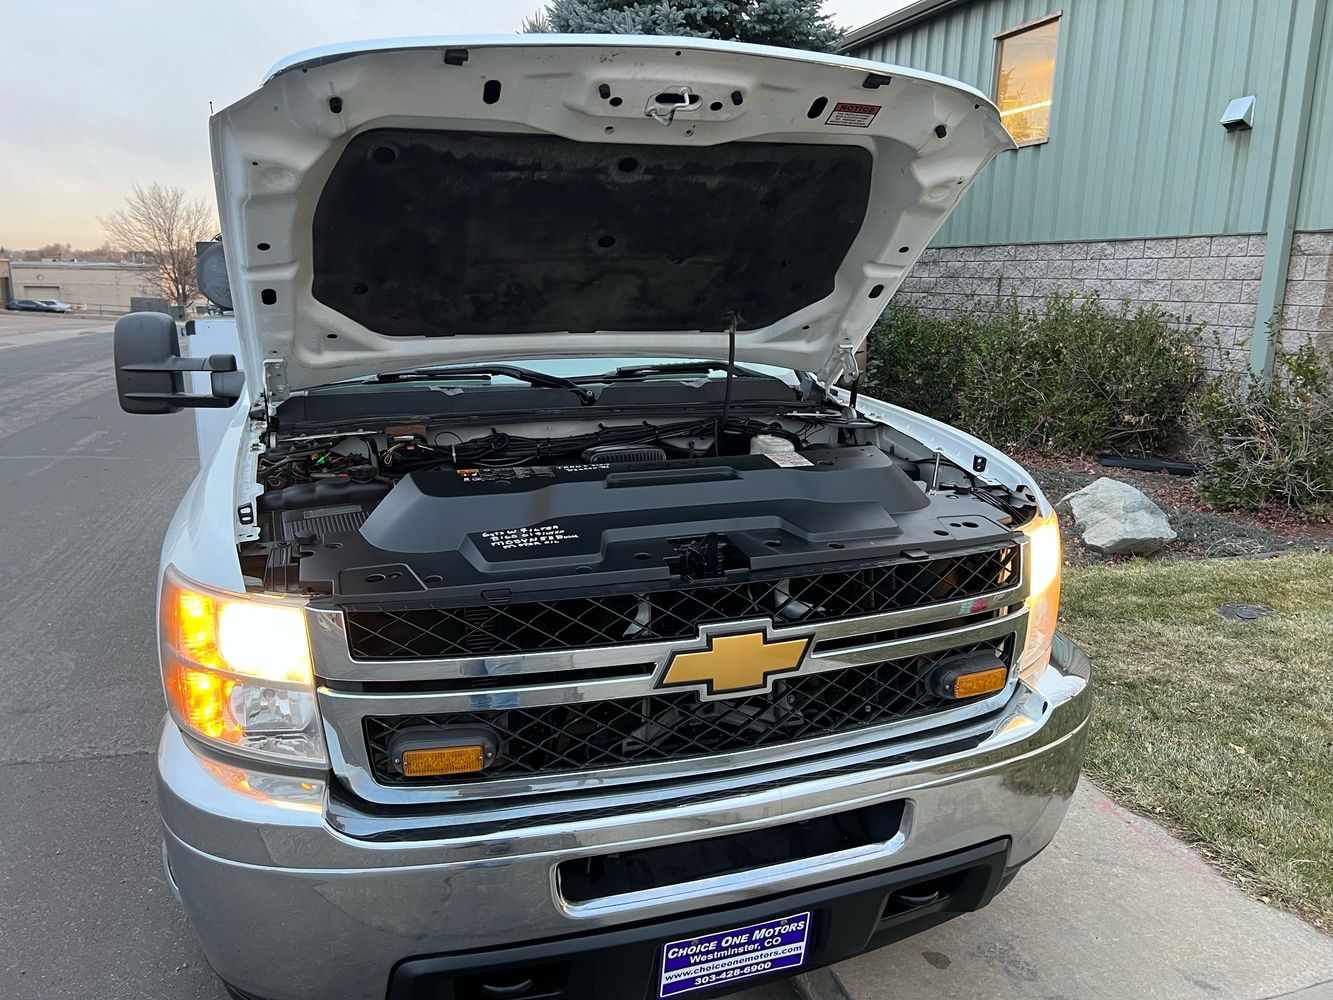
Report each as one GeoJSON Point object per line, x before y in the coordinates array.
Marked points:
{"type": "Point", "coordinates": [1069, 374]}
{"type": "Point", "coordinates": [1270, 440]}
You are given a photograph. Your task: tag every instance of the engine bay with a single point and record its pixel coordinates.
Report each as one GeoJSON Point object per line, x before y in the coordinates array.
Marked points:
{"type": "Point", "coordinates": [467, 507]}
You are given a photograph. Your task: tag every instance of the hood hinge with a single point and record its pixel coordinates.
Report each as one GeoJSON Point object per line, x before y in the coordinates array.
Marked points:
{"type": "Point", "coordinates": [842, 362]}
{"type": "Point", "coordinates": [275, 384]}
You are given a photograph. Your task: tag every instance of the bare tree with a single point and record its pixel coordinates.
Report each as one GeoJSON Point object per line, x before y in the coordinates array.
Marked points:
{"type": "Point", "coordinates": [53, 251]}
{"type": "Point", "coordinates": [106, 253]}
{"type": "Point", "coordinates": [159, 223]}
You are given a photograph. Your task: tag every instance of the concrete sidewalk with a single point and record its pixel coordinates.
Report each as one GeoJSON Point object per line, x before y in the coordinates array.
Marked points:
{"type": "Point", "coordinates": [1115, 908]}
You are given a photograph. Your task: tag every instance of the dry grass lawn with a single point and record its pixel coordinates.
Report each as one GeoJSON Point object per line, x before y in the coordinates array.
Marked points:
{"type": "Point", "coordinates": [1221, 730]}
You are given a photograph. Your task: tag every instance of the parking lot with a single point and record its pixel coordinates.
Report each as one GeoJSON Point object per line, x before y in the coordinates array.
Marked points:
{"type": "Point", "coordinates": [1115, 908]}
{"type": "Point", "coordinates": [29, 328]}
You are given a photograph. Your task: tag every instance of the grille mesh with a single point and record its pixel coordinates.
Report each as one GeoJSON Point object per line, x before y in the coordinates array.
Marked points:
{"type": "Point", "coordinates": [551, 739]}
{"type": "Point", "coordinates": [403, 632]}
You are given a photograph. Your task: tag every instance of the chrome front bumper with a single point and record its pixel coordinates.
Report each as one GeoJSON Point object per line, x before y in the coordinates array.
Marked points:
{"type": "Point", "coordinates": [288, 908]}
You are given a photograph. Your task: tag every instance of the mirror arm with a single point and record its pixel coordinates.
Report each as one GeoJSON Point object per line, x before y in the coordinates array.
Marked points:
{"type": "Point", "coordinates": [176, 363]}
{"type": "Point", "coordinates": [226, 382]}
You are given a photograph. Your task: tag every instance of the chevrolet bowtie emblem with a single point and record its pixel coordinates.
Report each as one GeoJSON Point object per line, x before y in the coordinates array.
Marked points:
{"type": "Point", "coordinates": [735, 664]}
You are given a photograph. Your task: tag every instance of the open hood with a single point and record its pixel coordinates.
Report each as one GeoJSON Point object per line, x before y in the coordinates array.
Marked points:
{"type": "Point", "coordinates": [441, 200]}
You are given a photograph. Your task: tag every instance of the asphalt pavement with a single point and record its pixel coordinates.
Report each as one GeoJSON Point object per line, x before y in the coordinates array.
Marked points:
{"type": "Point", "coordinates": [85, 492]}
{"type": "Point", "coordinates": [1115, 908]}
{"type": "Point", "coordinates": [27, 328]}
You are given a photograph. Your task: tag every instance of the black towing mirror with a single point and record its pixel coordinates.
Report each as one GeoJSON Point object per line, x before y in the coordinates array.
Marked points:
{"type": "Point", "coordinates": [150, 372]}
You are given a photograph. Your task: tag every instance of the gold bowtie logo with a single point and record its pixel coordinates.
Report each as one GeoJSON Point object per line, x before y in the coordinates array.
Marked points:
{"type": "Point", "coordinates": [735, 664]}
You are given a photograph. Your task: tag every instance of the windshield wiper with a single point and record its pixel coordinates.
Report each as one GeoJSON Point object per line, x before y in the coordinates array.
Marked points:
{"type": "Point", "coordinates": [631, 372]}
{"type": "Point", "coordinates": [586, 396]}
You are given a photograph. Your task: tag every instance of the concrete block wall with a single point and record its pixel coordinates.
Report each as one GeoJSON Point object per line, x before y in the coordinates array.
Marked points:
{"type": "Point", "coordinates": [1211, 280]}
{"type": "Point", "coordinates": [1308, 304]}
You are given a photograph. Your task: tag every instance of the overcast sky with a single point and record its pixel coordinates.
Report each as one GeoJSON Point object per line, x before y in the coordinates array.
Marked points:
{"type": "Point", "coordinates": [100, 94]}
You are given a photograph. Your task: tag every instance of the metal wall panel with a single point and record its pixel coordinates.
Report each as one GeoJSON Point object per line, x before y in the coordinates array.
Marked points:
{"type": "Point", "coordinates": [1135, 148]}
{"type": "Point", "coordinates": [1315, 209]}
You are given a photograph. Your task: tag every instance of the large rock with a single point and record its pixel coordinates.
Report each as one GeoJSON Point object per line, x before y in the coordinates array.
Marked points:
{"type": "Point", "coordinates": [1117, 519]}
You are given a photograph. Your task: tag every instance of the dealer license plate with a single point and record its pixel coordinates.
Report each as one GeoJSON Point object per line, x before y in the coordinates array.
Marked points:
{"type": "Point", "coordinates": [731, 956]}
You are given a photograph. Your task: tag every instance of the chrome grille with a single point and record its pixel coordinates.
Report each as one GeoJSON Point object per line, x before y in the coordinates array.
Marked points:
{"type": "Point", "coordinates": [407, 631]}
{"type": "Point", "coordinates": [554, 739]}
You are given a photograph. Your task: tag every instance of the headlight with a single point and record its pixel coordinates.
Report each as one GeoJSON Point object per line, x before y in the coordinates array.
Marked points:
{"type": "Point", "coordinates": [237, 672]}
{"type": "Point", "coordinates": [1043, 603]}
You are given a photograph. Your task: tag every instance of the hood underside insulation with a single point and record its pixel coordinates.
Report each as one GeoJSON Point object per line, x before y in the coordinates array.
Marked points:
{"type": "Point", "coordinates": [429, 233]}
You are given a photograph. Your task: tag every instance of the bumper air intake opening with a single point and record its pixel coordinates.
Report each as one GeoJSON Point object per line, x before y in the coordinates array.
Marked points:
{"type": "Point", "coordinates": [651, 868]}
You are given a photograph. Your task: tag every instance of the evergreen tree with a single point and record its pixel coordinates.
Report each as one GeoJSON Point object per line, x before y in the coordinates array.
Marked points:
{"type": "Point", "coordinates": [793, 24]}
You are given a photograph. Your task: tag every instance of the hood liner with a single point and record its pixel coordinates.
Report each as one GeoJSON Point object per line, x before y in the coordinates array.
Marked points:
{"type": "Point", "coordinates": [421, 234]}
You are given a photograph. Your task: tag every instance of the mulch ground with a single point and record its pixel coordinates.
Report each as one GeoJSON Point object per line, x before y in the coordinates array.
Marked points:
{"type": "Point", "coordinates": [1204, 531]}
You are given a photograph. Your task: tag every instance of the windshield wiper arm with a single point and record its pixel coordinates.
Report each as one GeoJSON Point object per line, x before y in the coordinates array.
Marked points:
{"type": "Point", "coordinates": [586, 396]}
{"type": "Point", "coordinates": [680, 368]}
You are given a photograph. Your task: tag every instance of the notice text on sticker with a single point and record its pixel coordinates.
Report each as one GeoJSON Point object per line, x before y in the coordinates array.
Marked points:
{"type": "Point", "coordinates": [855, 115]}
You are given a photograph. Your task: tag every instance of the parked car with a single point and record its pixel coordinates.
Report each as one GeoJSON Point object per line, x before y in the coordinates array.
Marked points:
{"type": "Point", "coordinates": [551, 615]}
{"type": "Point", "coordinates": [38, 305]}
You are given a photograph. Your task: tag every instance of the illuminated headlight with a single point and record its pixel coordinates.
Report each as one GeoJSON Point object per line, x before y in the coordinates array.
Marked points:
{"type": "Point", "coordinates": [237, 674]}
{"type": "Point", "coordinates": [1043, 603]}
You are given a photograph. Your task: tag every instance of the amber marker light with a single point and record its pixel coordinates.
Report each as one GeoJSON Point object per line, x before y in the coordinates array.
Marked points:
{"type": "Point", "coordinates": [429, 762]}
{"type": "Point", "coordinates": [980, 682]}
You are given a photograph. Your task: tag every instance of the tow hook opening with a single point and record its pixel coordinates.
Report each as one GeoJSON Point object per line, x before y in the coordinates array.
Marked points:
{"type": "Point", "coordinates": [527, 982]}
{"type": "Point", "coordinates": [934, 893]}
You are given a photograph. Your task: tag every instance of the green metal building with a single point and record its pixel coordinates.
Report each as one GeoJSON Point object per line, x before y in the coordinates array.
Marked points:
{"type": "Point", "coordinates": [1170, 151]}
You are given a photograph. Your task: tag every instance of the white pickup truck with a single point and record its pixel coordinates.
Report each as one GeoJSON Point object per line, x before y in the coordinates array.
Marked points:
{"type": "Point", "coordinates": [551, 616]}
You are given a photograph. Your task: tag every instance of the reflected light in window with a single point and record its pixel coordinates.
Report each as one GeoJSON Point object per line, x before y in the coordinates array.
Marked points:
{"type": "Point", "coordinates": [1025, 80]}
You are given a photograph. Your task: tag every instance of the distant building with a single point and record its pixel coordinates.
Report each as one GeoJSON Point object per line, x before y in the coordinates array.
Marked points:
{"type": "Point", "coordinates": [98, 288]}
{"type": "Point", "coordinates": [1170, 151]}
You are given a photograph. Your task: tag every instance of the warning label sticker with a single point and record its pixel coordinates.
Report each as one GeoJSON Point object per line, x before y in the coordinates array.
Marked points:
{"type": "Point", "coordinates": [494, 473]}
{"type": "Point", "coordinates": [855, 115]}
{"type": "Point", "coordinates": [789, 459]}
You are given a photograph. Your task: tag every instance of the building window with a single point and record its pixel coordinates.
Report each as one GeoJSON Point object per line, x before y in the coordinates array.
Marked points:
{"type": "Point", "coordinates": [1025, 78]}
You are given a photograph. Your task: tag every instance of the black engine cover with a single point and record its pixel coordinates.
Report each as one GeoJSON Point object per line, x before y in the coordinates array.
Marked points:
{"type": "Point", "coordinates": [520, 513]}
{"type": "Point", "coordinates": [528, 529]}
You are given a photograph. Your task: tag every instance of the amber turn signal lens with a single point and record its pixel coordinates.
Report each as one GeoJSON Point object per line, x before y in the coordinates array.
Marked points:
{"type": "Point", "coordinates": [429, 762]}
{"type": "Point", "coordinates": [980, 682]}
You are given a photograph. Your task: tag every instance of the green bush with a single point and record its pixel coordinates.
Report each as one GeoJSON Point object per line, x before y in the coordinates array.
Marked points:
{"type": "Point", "coordinates": [1070, 374]}
{"type": "Point", "coordinates": [1270, 440]}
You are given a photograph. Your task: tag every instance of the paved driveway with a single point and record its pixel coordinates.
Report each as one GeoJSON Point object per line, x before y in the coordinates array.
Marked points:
{"type": "Point", "coordinates": [1114, 909]}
